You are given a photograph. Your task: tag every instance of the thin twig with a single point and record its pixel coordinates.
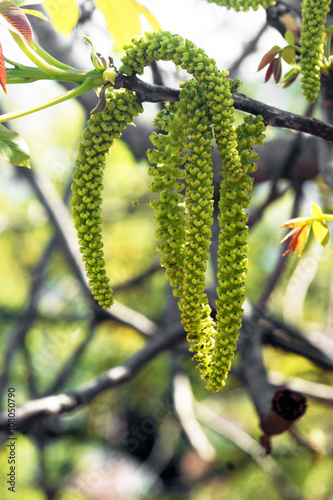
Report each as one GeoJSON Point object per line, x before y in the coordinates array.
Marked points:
{"type": "Point", "coordinates": [70, 364]}
{"type": "Point", "coordinates": [246, 443]}
{"type": "Point", "coordinates": [184, 405]}
{"type": "Point", "coordinates": [61, 403]}
{"type": "Point", "coordinates": [248, 50]}
{"type": "Point", "coordinates": [310, 352]}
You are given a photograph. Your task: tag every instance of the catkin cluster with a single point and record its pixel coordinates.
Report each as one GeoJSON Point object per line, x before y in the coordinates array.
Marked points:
{"type": "Point", "coordinates": [205, 110]}
{"type": "Point", "coordinates": [243, 5]}
{"type": "Point", "coordinates": [97, 139]}
{"type": "Point", "coordinates": [314, 13]}
{"type": "Point", "coordinates": [182, 161]}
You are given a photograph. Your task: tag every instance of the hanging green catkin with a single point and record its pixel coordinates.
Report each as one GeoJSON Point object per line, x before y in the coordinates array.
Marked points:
{"type": "Point", "coordinates": [232, 260]}
{"type": "Point", "coordinates": [97, 138]}
{"type": "Point", "coordinates": [205, 103]}
{"type": "Point", "coordinates": [212, 103]}
{"type": "Point", "coordinates": [314, 13]}
{"type": "Point", "coordinates": [184, 244]}
{"type": "Point", "coordinates": [193, 303]}
{"type": "Point", "coordinates": [243, 5]}
{"type": "Point", "coordinates": [169, 208]}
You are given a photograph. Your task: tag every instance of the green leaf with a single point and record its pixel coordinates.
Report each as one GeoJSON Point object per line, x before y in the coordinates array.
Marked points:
{"type": "Point", "coordinates": [13, 148]}
{"type": "Point", "coordinates": [15, 20]}
{"type": "Point", "coordinates": [321, 231]}
{"type": "Point", "coordinates": [36, 13]}
{"type": "Point", "coordinates": [289, 55]}
{"type": "Point", "coordinates": [122, 19]}
{"type": "Point", "coordinates": [289, 37]}
{"type": "Point", "coordinates": [149, 16]}
{"type": "Point", "coordinates": [290, 77]}
{"type": "Point", "coordinates": [3, 75]}
{"type": "Point", "coordinates": [316, 211]}
{"type": "Point", "coordinates": [64, 15]}
{"type": "Point", "coordinates": [96, 60]}
{"type": "Point", "coordinates": [22, 3]}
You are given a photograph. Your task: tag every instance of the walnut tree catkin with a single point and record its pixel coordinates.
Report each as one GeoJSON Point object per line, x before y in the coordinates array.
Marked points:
{"type": "Point", "coordinates": [97, 138]}
{"type": "Point", "coordinates": [183, 159]}
{"type": "Point", "coordinates": [232, 250]}
{"type": "Point", "coordinates": [243, 5]}
{"type": "Point", "coordinates": [169, 208]}
{"type": "Point", "coordinates": [205, 108]}
{"type": "Point", "coordinates": [314, 13]}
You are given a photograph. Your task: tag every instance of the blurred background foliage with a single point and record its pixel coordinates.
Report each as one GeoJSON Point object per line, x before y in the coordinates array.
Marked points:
{"type": "Point", "coordinates": [128, 443]}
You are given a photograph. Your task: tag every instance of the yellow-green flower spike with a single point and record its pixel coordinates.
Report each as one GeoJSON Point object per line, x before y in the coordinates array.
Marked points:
{"type": "Point", "coordinates": [96, 141]}
{"type": "Point", "coordinates": [193, 303]}
{"type": "Point", "coordinates": [314, 13]}
{"type": "Point", "coordinates": [183, 158]}
{"type": "Point", "coordinates": [233, 248]}
{"type": "Point", "coordinates": [205, 106]}
{"type": "Point", "coordinates": [169, 208]}
{"type": "Point", "coordinates": [243, 5]}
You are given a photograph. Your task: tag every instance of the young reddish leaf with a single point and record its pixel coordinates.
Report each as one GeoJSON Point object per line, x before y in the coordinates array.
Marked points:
{"type": "Point", "coordinates": [15, 20]}
{"type": "Point", "coordinates": [268, 57]}
{"type": "Point", "coordinates": [277, 70]}
{"type": "Point", "coordinates": [299, 237]}
{"type": "Point", "coordinates": [2, 71]}
{"type": "Point", "coordinates": [289, 55]}
{"type": "Point", "coordinates": [269, 71]}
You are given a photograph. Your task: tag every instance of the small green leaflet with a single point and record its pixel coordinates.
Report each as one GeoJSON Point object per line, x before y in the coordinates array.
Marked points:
{"type": "Point", "coordinates": [316, 211]}
{"type": "Point", "coordinates": [319, 227]}
{"type": "Point", "coordinates": [289, 37]}
{"type": "Point", "coordinates": [13, 148]}
{"type": "Point", "coordinates": [289, 55]}
{"type": "Point", "coordinates": [321, 231]}
{"type": "Point", "coordinates": [23, 3]}
{"type": "Point", "coordinates": [36, 13]}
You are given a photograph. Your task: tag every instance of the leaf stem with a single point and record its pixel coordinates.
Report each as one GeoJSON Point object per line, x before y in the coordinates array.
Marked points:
{"type": "Point", "coordinates": [86, 86]}
{"type": "Point", "coordinates": [51, 60]}
{"type": "Point", "coordinates": [52, 71]}
{"type": "Point", "coordinates": [326, 217]}
{"type": "Point", "coordinates": [28, 74]}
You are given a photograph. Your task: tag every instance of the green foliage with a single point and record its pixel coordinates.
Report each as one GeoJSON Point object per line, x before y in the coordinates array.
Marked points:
{"type": "Point", "coordinates": [13, 148]}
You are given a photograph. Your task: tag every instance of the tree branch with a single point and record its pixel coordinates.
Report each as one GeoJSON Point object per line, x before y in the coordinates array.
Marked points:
{"type": "Point", "coordinates": [61, 403]}
{"type": "Point", "coordinates": [274, 117]}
